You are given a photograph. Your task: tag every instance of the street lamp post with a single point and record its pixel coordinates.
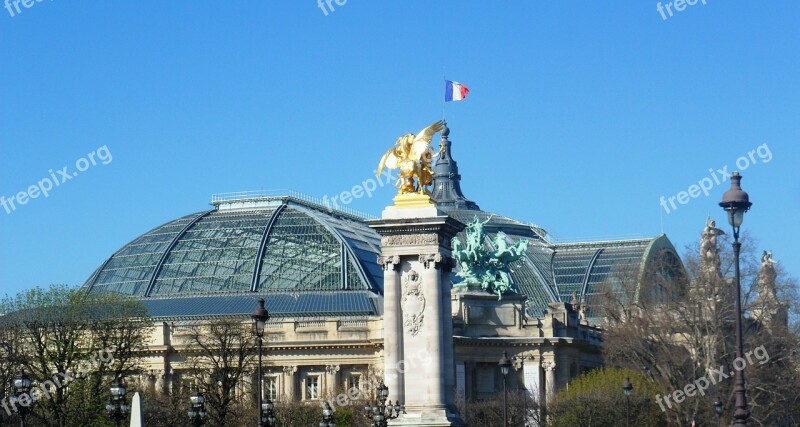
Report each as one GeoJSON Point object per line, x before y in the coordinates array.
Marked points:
{"type": "Point", "coordinates": [627, 388]}
{"type": "Point", "coordinates": [197, 408]}
{"type": "Point", "coordinates": [117, 408]}
{"type": "Point", "coordinates": [327, 416]}
{"type": "Point", "coordinates": [505, 367]}
{"type": "Point", "coordinates": [736, 202]}
{"type": "Point", "coordinates": [718, 410]}
{"type": "Point", "coordinates": [22, 386]}
{"type": "Point", "coordinates": [379, 412]}
{"type": "Point", "coordinates": [260, 318]}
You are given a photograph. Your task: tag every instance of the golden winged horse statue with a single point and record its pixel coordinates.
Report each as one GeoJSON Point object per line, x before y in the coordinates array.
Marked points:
{"type": "Point", "coordinates": [412, 154]}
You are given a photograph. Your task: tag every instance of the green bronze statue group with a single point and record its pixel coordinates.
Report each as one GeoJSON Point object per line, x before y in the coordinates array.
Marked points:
{"type": "Point", "coordinates": [487, 269]}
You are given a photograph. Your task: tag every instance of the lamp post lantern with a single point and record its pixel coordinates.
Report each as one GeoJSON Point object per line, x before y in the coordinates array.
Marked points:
{"type": "Point", "coordinates": [718, 409]}
{"type": "Point", "coordinates": [260, 318]}
{"type": "Point", "coordinates": [268, 414]}
{"type": "Point", "coordinates": [379, 411]}
{"type": "Point", "coordinates": [736, 202]}
{"type": "Point", "coordinates": [117, 408]}
{"type": "Point", "coordinates": [197, 408]}
{"type": "Point", "coordinates": [327, 416]}
{"type": "Point", "coordinates": [505, 367]}
{"type": "Point", "coordinates": [627, 388]}
{"type": "Point", "coordinates": [22, 386]}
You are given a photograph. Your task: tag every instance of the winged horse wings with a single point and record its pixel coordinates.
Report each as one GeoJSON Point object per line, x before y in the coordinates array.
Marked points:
{"type": "Point", "coordinates": [412, 154]}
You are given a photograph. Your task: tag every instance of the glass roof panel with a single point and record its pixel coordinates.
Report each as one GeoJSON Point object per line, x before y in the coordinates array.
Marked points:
{"type": "Point", "coordinates": [129, 270]}
{"type": "Point", "coordinates": [217, 254]}
{"type": "Point", "coordinates": [301, 254]}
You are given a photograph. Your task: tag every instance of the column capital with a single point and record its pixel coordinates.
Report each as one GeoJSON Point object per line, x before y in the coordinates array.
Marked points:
{"type": "Point", "coordinates": [332, 369]}
{"type": "Point", "coordinates": [549, 365]}
{"type": "Point", "coordinates": [519, 361]}
{"type": "Point", "coordinates": [436, 260]}
{"type": "Point", "coordinates": [289, 370]}
{"type": "Point", "coordinates": [391, 262]}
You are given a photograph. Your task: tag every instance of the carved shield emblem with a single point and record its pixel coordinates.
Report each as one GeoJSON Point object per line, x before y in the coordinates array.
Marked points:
{"type": "Point", "coordinates": [412, 303]}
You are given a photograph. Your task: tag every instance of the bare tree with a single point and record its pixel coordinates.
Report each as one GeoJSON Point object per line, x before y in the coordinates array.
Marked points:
{"type": "Point", "coordinates": [679, 329]}
{"type": "Point", "coordinates": [221, 353]}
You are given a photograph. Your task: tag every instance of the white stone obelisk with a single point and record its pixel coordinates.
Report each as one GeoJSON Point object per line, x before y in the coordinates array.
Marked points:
{"type": "Point", "coordinates": [136, 411]}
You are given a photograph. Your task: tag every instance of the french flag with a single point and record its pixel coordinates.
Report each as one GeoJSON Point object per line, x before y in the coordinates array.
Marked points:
{"type": "Point", "coordinates": [454, 91]}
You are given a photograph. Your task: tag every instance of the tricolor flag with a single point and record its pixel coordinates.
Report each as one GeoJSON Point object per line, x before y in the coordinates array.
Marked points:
{"type": "Point", "coordinates": [454, 91]}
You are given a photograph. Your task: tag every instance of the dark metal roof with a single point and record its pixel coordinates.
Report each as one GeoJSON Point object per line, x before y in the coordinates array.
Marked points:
{"type": "Point", "coordinates": [299, 304]}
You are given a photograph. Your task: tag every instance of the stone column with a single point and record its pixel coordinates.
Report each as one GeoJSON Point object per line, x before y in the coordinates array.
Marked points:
{"type": "Point", "coordinates": [432, 331]}
{"type": "Point", "coordinates": [392, 327]}
{"type": "Point", "coordinates": [332, 381]}
{"type": "Point", "coordinates": [449, 346]}
{"type": "Point", "coordinates": [289, 385]}
{"type": "Point", "coordinates": [549, 367]}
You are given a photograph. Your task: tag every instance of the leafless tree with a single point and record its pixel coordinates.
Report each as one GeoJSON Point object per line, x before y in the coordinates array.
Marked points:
{"type": "Point", "coordinates": [222, 353]}
{"type": "Point", "coordinates": [680, 328]}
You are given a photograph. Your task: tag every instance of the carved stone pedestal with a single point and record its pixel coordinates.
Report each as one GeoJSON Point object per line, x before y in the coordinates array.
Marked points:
{"type": "Point", "coordinates": [418, 329]}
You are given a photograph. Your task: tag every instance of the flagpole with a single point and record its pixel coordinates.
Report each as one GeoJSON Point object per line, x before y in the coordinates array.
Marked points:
{"type": "Point", "coordinates": [444, 102]}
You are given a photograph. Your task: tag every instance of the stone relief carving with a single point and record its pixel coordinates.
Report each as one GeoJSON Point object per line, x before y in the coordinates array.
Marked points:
{"type": "Point", "coordinates": [410, 239]}
{"type": "Point", "coordinates": [412, 302]}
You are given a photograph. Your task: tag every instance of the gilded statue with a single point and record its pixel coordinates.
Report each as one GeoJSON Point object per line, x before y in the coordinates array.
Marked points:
{"type": "Point", "coordinates": [412, 154]}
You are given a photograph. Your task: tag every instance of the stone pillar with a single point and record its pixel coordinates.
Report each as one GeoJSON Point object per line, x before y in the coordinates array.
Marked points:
{"type": "Point", "coordinates": [420, 238]}
{"type": "Point", "coordinates": [392, 328]}
{"type": "Point", "coordinates": [431, 334]}
{"type": "Point", "coordinates": [289, 385]}
{"type": "Point", "coordinates": [549, 367]}
{"type": "Point", "coordinates": [332, 381]}
{"type": "Point", "coordinates": [444, 267]}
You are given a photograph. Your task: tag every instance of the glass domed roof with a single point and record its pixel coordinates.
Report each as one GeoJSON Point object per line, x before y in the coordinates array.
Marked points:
{"type": "Point", "coordinates": [252, 245]}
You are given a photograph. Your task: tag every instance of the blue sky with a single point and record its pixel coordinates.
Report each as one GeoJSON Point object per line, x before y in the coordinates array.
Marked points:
{"type": "Point", "coordinates": [581, 115]}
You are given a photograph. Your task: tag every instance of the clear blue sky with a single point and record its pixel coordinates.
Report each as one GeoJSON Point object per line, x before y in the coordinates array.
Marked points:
{"type": "Point", "coordinates": [581, 115]}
